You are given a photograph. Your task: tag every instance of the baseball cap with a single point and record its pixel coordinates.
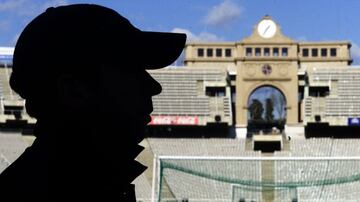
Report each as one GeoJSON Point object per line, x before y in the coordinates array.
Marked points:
{"type": "Point", "coordinates": [75, 37]}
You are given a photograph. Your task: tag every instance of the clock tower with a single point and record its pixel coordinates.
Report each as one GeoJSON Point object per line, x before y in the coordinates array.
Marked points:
{"type": "Point", "coordinates": [266, 58]}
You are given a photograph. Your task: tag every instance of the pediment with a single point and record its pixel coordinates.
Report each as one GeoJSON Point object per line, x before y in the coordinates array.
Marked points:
{"type": "Point", "coordinates": [262, 33]}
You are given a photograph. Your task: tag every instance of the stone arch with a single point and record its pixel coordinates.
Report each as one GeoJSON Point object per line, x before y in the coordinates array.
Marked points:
{"type": "Point", "coordinates": [278, 119]}
{"type": "Point", "coordinates": [257, 85]}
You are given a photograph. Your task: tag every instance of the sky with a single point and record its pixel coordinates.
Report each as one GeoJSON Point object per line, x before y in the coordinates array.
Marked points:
{"type": "Point", "coordinates": [211, 20]}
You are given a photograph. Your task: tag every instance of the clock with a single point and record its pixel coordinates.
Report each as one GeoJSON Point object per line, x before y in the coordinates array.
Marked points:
{"type": "Point", "coordinates": [266, 28]}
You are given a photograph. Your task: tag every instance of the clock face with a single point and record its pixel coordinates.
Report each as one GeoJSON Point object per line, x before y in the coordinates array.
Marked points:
{"type": "Point", "coordinates": [266, 28]}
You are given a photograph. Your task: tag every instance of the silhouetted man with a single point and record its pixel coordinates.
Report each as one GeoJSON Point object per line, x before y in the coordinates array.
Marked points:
{"type": "Point", "coordinates": [82, 70]}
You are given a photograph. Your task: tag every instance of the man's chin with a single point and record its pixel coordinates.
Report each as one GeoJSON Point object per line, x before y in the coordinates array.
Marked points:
{"type": "Point", "coordinates": [125, 127]}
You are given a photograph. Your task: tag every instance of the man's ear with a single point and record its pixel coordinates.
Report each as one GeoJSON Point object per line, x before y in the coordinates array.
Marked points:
{"type": "Point", "coordinates": [72, 92]}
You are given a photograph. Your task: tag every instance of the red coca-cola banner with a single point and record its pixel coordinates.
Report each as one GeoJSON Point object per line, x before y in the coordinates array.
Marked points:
{"type": "Point", "coordinates": [174, 120]}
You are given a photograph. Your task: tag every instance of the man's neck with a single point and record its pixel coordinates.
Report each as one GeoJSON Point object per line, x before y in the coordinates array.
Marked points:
{"type": "Point", "coordinates": [90, 143]}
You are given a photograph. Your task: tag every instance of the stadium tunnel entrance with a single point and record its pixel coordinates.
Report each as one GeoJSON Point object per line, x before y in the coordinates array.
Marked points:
{"type": "Point", "coordinates": [266, 110]}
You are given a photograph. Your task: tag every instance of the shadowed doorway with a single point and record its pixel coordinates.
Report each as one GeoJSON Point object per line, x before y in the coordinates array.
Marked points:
{"type": "Point", "coordinates": [266, 110]}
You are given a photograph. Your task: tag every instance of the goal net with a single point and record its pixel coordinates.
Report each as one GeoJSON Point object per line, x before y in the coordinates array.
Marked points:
{"type": "Point", "coordinates": [238, 179]}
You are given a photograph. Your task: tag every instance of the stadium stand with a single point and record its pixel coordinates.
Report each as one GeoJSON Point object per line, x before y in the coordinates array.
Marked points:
{"type": "Point", "coordinates": [203, 93]}
{"type": "Point", "coordinates": [12, 145]}
{"type": "Point", "coordinates": [4, 162]}
{"type": "Point", "coordinates": [198, 147]}
{"type": "Point", "coordinates": [322, 147]}
{"type": "Point", "coordinates": [311, 147]}
{"type": "Point", "coordinates": [6, 92]}
{"type": "Point", "coordinates": [333, 95]}
{"type": "Point", "coordinates": [142, 189]}
{"type": "Point", "coordinates": [12, 106]}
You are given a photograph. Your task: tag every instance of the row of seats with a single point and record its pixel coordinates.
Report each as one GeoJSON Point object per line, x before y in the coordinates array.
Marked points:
{"type": "Point", "coordinates": [324, 147]}
{"type": "Point", "coordinates": [311, 147]}
{"type": "Point", "coordinates": [348, 88]}
{"type": "Point", "coordinates": [340, 73]}
{"type": "Point", "coordinates": [182, 74]}
{"type": "Point", "coordinates": [197, 147]}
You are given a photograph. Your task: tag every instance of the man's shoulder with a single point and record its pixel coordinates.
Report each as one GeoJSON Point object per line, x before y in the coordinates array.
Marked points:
{"type": "Point", "coordinates": [25, 173]}
{"type": "Point", "coordinates": [29, 161]}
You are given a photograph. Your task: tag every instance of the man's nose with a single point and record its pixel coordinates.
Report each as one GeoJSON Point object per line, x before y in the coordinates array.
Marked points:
{"type": "Point", "coordinates": [155, 86]}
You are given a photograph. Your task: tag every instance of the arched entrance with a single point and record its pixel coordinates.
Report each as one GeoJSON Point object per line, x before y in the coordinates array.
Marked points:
{"type": "Point", "coordinates": [266, 109]}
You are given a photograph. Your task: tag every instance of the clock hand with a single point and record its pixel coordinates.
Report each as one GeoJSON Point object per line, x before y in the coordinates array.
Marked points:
{"type": "Point", "coordinates": [266, 29]}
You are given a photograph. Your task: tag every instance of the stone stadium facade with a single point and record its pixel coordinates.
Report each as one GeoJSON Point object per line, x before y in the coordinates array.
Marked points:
{"type": "Point", "coordinates": [269, 58]}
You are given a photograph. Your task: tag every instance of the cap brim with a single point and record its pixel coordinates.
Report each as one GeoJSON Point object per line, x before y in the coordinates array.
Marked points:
{"type": "Point", "coordinates": [161, 49]}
